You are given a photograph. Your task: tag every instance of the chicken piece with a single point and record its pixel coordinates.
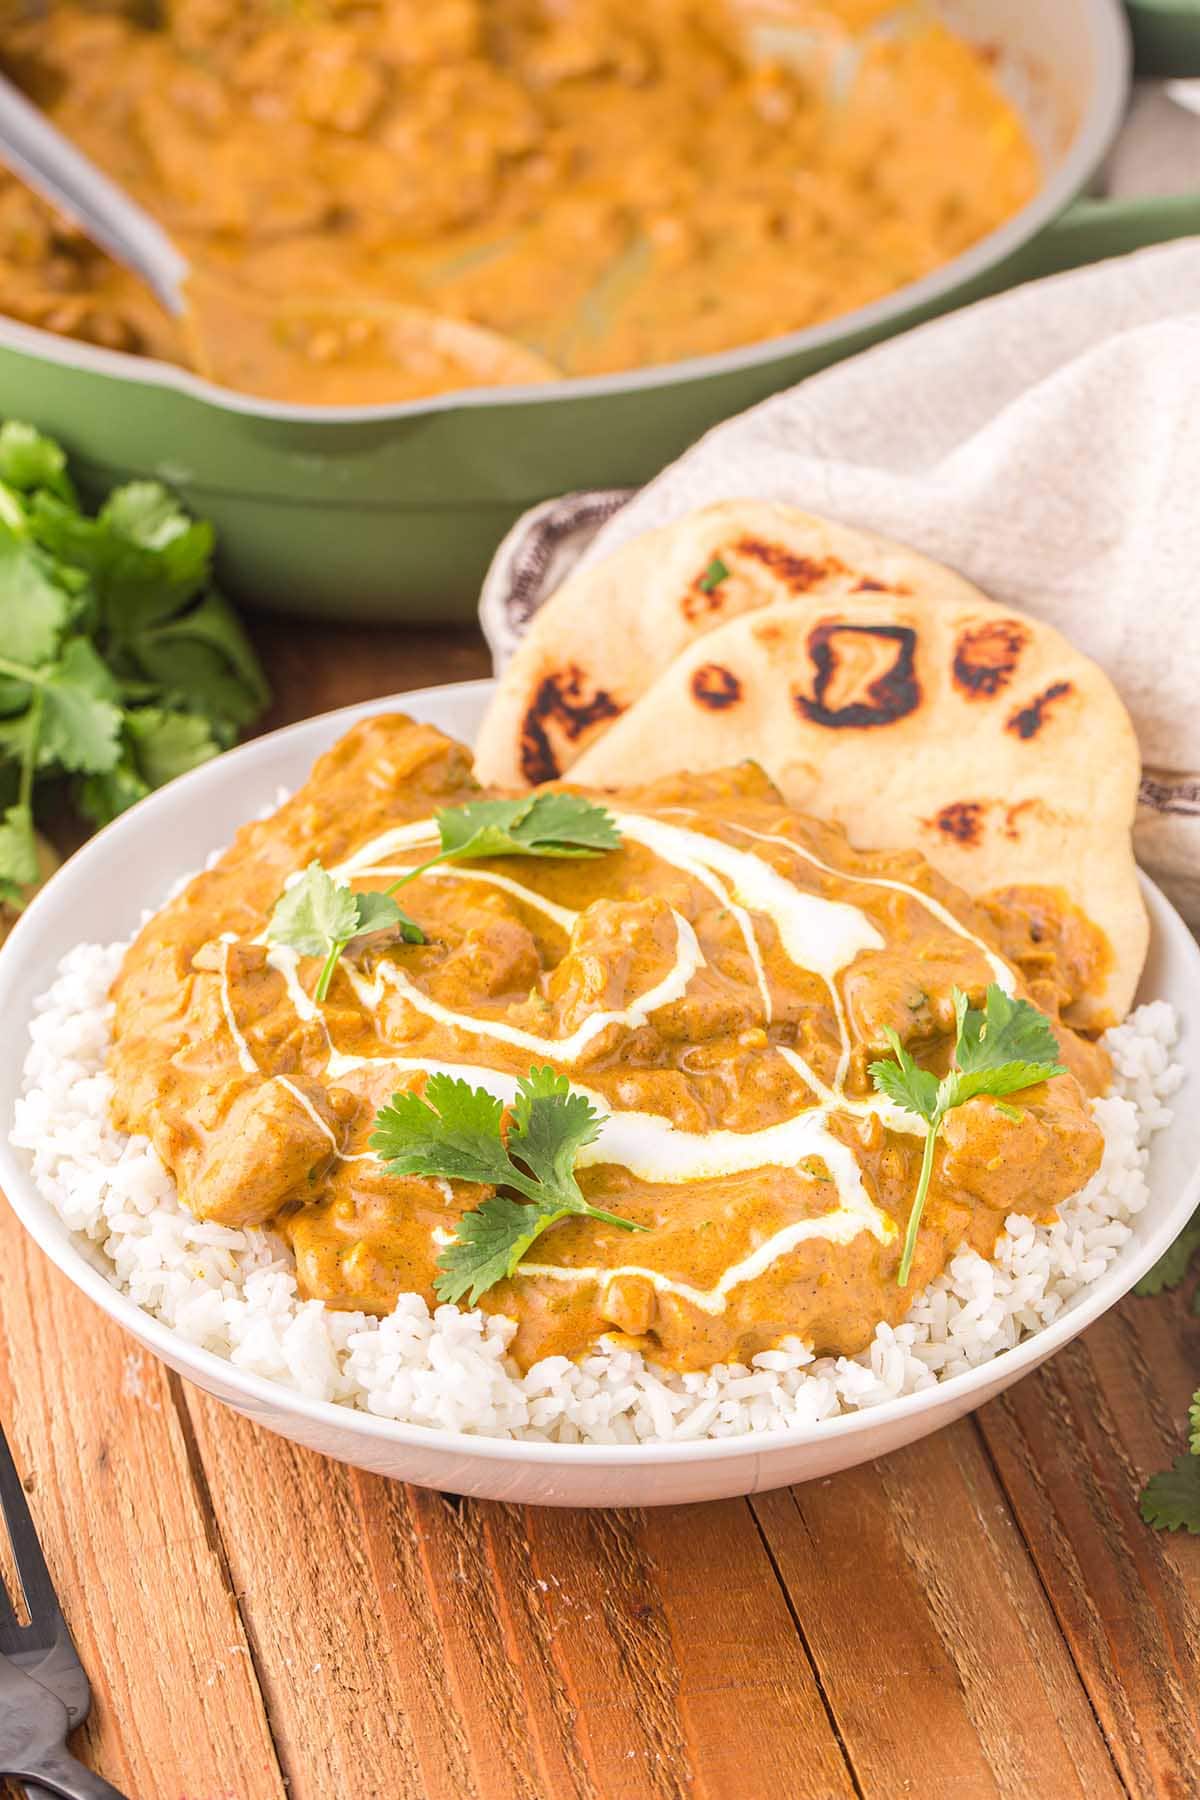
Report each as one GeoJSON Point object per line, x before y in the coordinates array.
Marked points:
{"type": "Point", "coordinates": [260, 1146]}
{"type": "Point", "coordinates": [1051, 1148]}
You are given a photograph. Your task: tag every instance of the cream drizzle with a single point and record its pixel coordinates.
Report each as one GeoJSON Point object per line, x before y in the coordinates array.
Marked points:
{"type": "Point", "coordinates": [655, 1149]}
{"type": "Point", "coordinates": [839, 1227]}
{"type": "Point", "coordinates": [249, 1061]}
{"type": "Point", "coordinates": [562, 916]}
{"type": "Point", "coordinates": [245, 1055]}
{"type": "Point", "coordinates": [688, 958]}
{"type": "Point", "coordinates": [1005, 977]}
{"type": "Point", "coordinates": [819, 935]}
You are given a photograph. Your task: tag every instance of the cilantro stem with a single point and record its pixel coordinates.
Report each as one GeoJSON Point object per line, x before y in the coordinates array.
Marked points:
{"type": "Point", "coordinates": [331, 963]}
{"type": "Point", "coordinates": [29, 756]}
{"type": "Point", "coordinates": [21, 672]}
{"type": "Point", "coordinates": [411, 875]}
{"type": "Point", "coordinates": [918, 1205]}
{"type": "Point", "coordinates": [338, 946]}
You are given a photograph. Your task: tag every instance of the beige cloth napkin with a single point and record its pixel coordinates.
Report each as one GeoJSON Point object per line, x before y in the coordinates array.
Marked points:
{"type": "Point", "coordinates": [1045, 443]}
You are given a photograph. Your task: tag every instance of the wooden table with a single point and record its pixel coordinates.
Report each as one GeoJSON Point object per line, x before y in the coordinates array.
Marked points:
{"type": "Point", "coordinates": [981, 1614]}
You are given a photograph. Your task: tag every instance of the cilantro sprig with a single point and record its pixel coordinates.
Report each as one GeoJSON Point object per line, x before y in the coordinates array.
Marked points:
{"type": "Point", "coordinates": [320, 917]}
{"type": "Point", "coordinates": [120, 666]}
{"type": "Point", "coordinates": [463, 1133]}
{"type": "Point", "coordinates": [1000, 1050]}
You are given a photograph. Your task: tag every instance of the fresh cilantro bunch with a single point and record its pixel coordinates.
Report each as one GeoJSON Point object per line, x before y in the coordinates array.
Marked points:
{"type": "Point", "coordinates": [1006, 1047]}
{"type": "Point", "coordinates": [1171, 1500]}
{"type": "Point", "coordinates": [320, 917]}
{"type": "Point", "coordinates": [120, 665]}
{"type": "Point", "coordinates": [462, 1133]}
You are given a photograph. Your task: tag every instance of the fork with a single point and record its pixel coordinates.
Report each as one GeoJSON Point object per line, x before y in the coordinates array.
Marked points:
{"type": "Point", "coordinates": [44, 1692]}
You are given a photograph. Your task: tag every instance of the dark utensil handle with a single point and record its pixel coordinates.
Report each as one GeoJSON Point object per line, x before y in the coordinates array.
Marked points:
{"type": "Point", "coordinates": [57, 1772]}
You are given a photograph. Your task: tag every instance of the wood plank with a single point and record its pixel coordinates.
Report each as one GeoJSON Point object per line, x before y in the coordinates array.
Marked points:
{"type": "Point", "coordinates": [131, 1546]}
{"type": "Point", "coordinates": [1073, 1446]}
{"type": "Point", "coordinates": [674, 1641]}
{"type": "Point", "coordinates": [495, 1653]}
{"type": "Point", "coordinates": [315, 666]}
{"type": "Point", "coordinates": [347, 1705]}
{"type": "Point", "coordinates": [939, 1657]}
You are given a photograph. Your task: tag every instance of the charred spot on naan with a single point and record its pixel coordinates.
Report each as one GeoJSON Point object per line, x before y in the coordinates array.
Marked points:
{"type": "Point", "coordinates": [986, 657]}
{"type": "Point", "coordinates": [800, 573]}
{"type": "Point", "coordinates": [716, 687]}
{"type": "Point", "coordinates": [1027, 721]}
{"type": "Point", "coordinates": [965, 822]}
{"type": "Point", "coordinates": [850, 688]}
{"type": "Point", "coordinates": [563, 703]}
{"type": "Point", "coordinates": [961, 821]}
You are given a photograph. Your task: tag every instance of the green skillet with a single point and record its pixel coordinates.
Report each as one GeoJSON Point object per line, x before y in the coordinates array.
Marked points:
{"type": "Point", "coordinates": [392, 512]}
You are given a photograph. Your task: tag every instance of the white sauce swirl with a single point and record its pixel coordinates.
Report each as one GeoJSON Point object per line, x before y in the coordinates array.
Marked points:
{"type": "Point", "coordinates": [819, 935]}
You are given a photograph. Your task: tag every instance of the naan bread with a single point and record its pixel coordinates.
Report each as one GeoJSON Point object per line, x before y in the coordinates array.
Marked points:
{"type": "Point", "coordinates": [939, 722]}
{"type": "Point", "coordinates": [608, 632]}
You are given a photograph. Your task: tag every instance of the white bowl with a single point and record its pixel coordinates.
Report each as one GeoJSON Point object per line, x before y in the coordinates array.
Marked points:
{"type": "Point", "coordinates": [99, 896]}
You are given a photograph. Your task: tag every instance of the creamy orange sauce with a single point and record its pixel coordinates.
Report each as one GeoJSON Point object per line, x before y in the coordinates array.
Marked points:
{"type": "Point", "coordinates": [717, 986]}
{"type": "Point", "coordinates": [602, 184]}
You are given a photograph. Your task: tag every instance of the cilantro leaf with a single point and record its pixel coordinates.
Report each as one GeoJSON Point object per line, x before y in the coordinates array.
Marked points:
{"type": "Point", "coordinates": [120, 666]}
{"type": "Point", "coordinates": [1172, 1266]}
{"type": "Point", "coordinates": [550, 1126]}
{"type": "Point", "coordinates": [28, 461]}
{"type": "Point", "coordinates": [142, 553]}
{"type": "Point", "coordinates": [491, 1241]}
{"type": "Point", "coordinates": [104, 797]}
{"type": "Point", "coordinates": [318, 916]}
{"type": "Point", "coordinates": [167, 743]}
{"type": "Point", "coordinates": [554, 824]}
{"type": "Point", "coordinates": [202, 658]}
{"type": "Point", "coordinates": [378, 912]}
{"type": "Point", "coordinates": [81, 725]}
{"type": "Point", "coordinates": [313, 913]}
{"type": "Point", "coordinates": [1006, 1047]}
{"type": "Point", "coordinates": [714, 575]}
{"type": "Point", "coordinates": [540, 825]}
{"type": "Point", "coordinates": [453, 1131]}
{"type": "Point", "coordinates": [34, 610]}
{"type": "Point", "coordinates": [456, 1132]}
{"type": "Point", "coordinates": [1007, 1032]}
{"type": "Point", "coordinates": [1171, 1501]}
{"type": "Point", "coordinates": [18, 854]}
{"type": "Point", "coordinates": [913, 1088]}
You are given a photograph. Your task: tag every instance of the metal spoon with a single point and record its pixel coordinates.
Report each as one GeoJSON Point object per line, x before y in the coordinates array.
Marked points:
{"type": "Point", "coordinates": [232, 336]}
{"type": "Point", "coordinates": [37, 152]}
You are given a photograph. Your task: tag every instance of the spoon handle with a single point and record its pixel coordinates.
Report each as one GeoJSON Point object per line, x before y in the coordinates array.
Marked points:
{"type": "Point", "coordinates": [36, 150]}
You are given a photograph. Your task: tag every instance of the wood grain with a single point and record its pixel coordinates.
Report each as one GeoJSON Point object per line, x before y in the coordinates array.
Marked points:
{"type": "Point", "coordinates": [1073, 1447]}
{"type": "Point", "coordinates": [96, 1433]}
{"type": "Point", "coordinates": [915, 1594]}
{"type": "Point", "coordinates": [983, 1614]}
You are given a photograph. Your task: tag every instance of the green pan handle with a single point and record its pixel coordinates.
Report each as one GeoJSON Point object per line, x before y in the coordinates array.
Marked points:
{"type": "Point", "coordinates": [1089, 230]}
{"type": "Point", "coordinates": [1166, 36]}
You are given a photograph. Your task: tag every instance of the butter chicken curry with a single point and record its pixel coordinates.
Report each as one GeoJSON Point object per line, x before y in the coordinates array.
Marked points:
{"type": "Point", "coordinates": [604, 184]}
{"type": "Point", "coordinates": [717, 985]}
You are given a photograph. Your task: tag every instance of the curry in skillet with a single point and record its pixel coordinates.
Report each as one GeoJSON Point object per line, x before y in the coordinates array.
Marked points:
{"type": "Point", "coordinates": [717, 984]}
{"type": "Point", "coordinates": [602, 184]}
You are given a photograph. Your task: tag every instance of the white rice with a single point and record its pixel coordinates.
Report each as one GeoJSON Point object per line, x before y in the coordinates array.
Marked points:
{"type": "Point", "coordinates": [234, 1291]}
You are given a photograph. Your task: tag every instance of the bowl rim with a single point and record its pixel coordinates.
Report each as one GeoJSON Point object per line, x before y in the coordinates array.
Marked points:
{"type": "Point", "coordinates": [1097, 126]}
{"type": "Point", "coordinates": [268, 1396]}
